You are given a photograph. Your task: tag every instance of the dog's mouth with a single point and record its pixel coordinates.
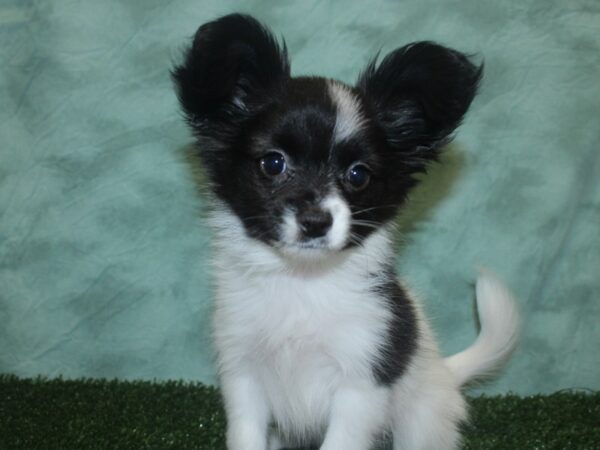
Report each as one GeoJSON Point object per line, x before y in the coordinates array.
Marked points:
{"type": "Point", "coordinates": [321, 243]}
{"type": "Point", "coordinates": [295, 244]}
{"type": "Point", "coordinates": [310, 246]}
{"type": "Point", "coordinates": [311, 252]}
{"type": "Point", "coordinates": [317, 229]}
{"type": "Point", "coordinates": [299, 245]}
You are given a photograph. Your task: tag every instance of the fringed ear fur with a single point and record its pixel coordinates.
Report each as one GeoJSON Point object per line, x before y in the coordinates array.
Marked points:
{"type": "Point", "coordinates": [232, 68]}
{"type": "Point", "coordinates": [419, 94]}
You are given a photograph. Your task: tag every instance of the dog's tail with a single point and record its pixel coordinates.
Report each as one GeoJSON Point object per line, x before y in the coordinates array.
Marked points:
{"type": "Point", "coordinates": [499, 320]}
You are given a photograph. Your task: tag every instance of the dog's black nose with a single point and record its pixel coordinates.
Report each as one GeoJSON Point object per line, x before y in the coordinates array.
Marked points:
{"type": "Point", "coordinates": [314, 223]}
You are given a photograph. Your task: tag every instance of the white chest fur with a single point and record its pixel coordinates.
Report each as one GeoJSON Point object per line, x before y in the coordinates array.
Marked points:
{"type": "Point", "coordinates": [300, 331]}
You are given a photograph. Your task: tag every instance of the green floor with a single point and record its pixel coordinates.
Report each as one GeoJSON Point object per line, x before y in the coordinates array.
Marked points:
{"type": "Point", "coordinates": [92, 414]}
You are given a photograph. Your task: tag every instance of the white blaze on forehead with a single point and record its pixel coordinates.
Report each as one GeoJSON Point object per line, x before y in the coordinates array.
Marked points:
{"type": "Point", "coordinates": [349, 118]}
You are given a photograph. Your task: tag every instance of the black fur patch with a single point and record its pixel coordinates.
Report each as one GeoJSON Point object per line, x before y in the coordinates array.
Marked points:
{"type": "Point", "coordinates": [420, 94]}
{"type": "Point", "coordinates": [402, 333]}
{"type": "Point", "coordinates": [232, 68]}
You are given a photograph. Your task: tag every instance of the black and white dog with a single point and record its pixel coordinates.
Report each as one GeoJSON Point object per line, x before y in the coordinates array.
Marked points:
{"type": "Point", "coordinates": [319, 343]}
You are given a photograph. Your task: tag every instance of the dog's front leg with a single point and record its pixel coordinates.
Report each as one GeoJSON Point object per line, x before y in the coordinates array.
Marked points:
{"type": "Point", "coordinates": [358, 414]}
{"type": "Point", "coordinates": [247, 413]}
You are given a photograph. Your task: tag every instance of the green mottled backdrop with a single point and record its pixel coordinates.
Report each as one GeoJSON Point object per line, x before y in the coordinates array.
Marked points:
{"type": "Point", "coordinates": [104, 258]}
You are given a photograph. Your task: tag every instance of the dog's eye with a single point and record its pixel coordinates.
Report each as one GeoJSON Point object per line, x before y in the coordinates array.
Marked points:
{"type": "Point", "coordinates": [358, 176]}
{"type": "Point", "coordinates": [273, 164]}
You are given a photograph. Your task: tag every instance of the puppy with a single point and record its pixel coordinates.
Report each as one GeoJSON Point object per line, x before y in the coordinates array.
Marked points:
{"type": "Point", "coordinates": [319, 344]}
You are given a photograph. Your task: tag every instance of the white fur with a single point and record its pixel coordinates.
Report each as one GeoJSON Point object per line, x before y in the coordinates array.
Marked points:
{"type": "Point", "coordinates": [349, 118]}
{"type": "Point", "coordinates": [290, 230]}
{"type": "Point", "coordinates": [295, 340]}
{"type": "Point", "coordinates": [499, 334]}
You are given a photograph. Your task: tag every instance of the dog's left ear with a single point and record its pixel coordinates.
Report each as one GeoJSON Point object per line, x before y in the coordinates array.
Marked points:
{"type": "Point", "coordinates": [420, 94]}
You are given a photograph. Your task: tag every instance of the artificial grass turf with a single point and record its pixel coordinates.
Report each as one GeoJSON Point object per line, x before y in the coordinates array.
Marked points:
{"type": "Point", "coordinates": [99, 414]}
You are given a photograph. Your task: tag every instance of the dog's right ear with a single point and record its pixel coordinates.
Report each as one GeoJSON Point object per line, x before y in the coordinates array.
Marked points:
{"type": "Point", "coordinates": [233, 67]}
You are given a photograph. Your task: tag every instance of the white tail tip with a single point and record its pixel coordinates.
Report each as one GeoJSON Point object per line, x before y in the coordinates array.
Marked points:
{"type": "Point", "coordinates": [500, 325]}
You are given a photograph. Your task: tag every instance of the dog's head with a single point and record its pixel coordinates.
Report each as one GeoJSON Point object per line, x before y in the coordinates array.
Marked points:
{"type": "Point", "coordinates": [310, 164]}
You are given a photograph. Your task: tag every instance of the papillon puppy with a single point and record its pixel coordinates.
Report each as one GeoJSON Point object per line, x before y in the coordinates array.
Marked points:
{"type": "Point", "coordinates": [319, 343]}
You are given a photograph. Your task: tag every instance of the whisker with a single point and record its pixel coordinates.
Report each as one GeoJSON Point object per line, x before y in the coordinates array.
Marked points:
{"type": "Point", "coordinates": [374, 226]}
{"type": "Point", "coordinates": [366, 221]}
{"type": "Point", "coordinates": [355, 239]}
{"type": "Point", "coordinates": [372, 208]}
